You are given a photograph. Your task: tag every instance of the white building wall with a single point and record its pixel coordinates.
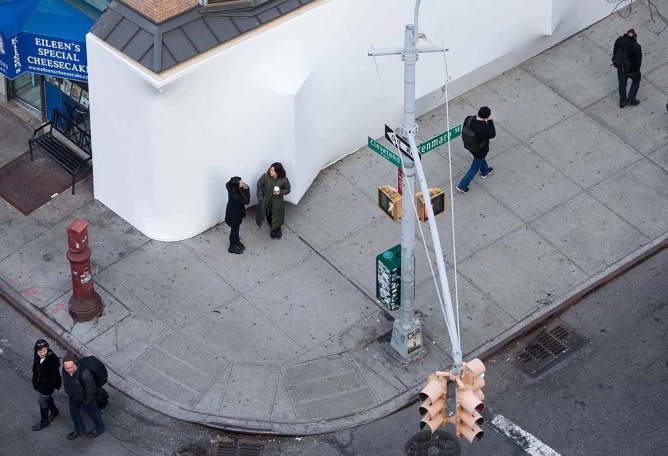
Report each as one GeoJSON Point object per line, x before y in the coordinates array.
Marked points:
{"type": "Point", "coordinates": [301, 90]}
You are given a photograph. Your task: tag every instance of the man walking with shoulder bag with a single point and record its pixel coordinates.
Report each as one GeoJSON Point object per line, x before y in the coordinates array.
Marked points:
{"type": "Point", "coordinates": [80, 387]}
{"type": "Point", "coordinates": [627, 58]}
{"type": "Point", "coordinates": [476, 133]}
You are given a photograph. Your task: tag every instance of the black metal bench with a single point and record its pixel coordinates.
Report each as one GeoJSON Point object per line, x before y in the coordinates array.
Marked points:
{"type": "Point", "coordinates": [74, 162]}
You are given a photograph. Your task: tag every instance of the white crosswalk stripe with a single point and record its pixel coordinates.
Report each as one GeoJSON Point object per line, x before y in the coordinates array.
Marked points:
{"type": "Point", "coordinates": [524, 439]}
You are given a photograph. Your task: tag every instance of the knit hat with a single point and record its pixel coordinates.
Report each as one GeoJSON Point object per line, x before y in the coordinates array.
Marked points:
{"type": "Point", "coordinates": [484, 112]}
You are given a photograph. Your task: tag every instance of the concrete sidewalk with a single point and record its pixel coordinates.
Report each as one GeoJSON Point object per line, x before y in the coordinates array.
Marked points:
{"type": "Point", "coordinates": [288, 338]}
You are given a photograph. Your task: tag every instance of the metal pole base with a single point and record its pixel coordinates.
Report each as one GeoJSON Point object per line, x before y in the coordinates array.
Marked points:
{"type": "Point", "coordinates": [86, 307]}
{"type": "Point", "coordinates": [407, 341]}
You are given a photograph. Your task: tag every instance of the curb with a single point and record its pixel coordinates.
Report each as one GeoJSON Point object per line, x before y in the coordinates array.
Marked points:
{"type": "Point", "coordinates": [249, 426]}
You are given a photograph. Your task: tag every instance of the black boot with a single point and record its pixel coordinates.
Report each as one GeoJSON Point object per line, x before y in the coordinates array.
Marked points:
{"type": "Point", "coordinates": [53, 410]}
{"type": "Point", "coordinates": [44, 421]}
{"type": "Point", "coordinates": [240, 245]}
{"type": "Point", "coordinates": [235, 249]}
{"type": "Point", "coordinates": [273, 234]}
{"type": "Point", "coordinates": [279, 233]}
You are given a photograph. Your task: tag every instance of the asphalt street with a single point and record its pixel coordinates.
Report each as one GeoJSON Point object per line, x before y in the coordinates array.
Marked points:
{"type": "Point", "coordinates": [606, 398]}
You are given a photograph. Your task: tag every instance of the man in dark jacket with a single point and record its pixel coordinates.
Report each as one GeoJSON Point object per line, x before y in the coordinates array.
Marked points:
{"type": "Point", "coordinates": [80, 387]}
{"type": "Point", "coordinates": [628, 44]}
{"type": "Point", "coordinates": [45, 379]}
{"type": "Point", "coordinates": [483, 127]}
{"type": "Point", "coordinates": [238, 196]}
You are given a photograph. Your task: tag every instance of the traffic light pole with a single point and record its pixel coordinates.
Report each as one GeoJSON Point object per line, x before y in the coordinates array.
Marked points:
{"type": "Point", "coordinates": [406, 332]}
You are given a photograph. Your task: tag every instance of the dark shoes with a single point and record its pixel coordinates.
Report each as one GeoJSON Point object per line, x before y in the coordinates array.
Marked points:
{"type": "Point", "coordinates": [490, 170]}
{"type": "Point", "coordinates": [465, 190]}
{"type": "Point", "coordinates": [235, 249]}
{"type": "Point", "coordinates": [277, 233]}
{"type": "Point", "coordinates": [95, 433]}
{"type": "Point", "coordinates": [241, 246]}
{"type": "Point", "coordinates": [623, 103]}
{"type": "Point", "coordinates": [45, 419]}
{"type": "Point", "coordinates": [41, 425]}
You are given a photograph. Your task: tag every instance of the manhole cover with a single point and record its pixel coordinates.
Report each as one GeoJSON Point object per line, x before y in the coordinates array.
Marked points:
{"type": "Point", "coordinates": [238, 448]}
{"type": "Point", "coordinates": [551, 345]}
{"type": "Point", "coordinates": [440, 443]}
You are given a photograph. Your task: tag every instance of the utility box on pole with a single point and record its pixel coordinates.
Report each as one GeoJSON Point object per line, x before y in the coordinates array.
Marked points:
{"type": "Point", "coordinates": [388, 277]}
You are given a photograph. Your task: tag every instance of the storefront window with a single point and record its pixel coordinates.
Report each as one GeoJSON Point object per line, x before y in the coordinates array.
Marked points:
{"type": "Point", "coordinates": [68, 97]}
{"type": "Point", "coordinates": [26, 88]}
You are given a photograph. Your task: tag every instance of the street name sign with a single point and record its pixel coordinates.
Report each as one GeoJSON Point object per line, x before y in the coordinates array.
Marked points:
{"type": "Point", "coordinates": [384, 152]}
{"type": "Point", "coordinates": [439, 140]}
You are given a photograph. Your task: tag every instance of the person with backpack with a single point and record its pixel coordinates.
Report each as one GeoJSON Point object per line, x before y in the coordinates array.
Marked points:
{"type": "Point", "coordinates": [476, 133]}
{"type": "Point", "coordinates": [81, 388]}
{"type": "Point", "coordinates": [627, 58]}
{"type": "Point", "coordinates": [45, 379]}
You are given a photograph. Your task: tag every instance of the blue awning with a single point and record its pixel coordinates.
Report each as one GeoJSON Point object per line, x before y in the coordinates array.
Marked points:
{"type": "Point", "coordinates": [43, 36]}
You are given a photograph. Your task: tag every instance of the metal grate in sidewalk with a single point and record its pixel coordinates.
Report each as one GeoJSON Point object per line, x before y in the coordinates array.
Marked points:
{"type": "Point", "coordinates": [551, 345]}
{"type": "Point", "coordinates": [238, 448]}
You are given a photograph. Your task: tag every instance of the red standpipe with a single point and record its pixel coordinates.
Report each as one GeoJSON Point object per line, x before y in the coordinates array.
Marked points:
{"type": "Point", "coordinates": [85, 303]}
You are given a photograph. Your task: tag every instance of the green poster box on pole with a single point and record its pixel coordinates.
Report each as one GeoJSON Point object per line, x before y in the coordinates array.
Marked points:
{"type": "Point", "coordinates": [388, 277]}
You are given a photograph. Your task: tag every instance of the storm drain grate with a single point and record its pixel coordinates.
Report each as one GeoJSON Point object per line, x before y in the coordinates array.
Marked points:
{"type": "Point", "coordinates": [238, 448]}
{"type": "Point", "coordinates": [440, 443]}
{"type": "Point", "coordinates": [551, 345]}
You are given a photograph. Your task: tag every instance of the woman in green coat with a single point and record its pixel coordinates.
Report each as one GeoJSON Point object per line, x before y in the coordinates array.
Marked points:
{"type": "Point", "coordinates": [270, 190]}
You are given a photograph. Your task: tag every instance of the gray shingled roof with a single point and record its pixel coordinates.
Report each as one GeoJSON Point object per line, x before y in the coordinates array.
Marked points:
{"type": "Point", "coordinates": [161, 46]}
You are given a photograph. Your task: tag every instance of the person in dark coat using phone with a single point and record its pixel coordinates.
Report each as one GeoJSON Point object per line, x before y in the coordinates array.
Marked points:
{"type": "Point", "coordinates": [238, 196]}
{"type": "Point", "coordinates": [45, 379]}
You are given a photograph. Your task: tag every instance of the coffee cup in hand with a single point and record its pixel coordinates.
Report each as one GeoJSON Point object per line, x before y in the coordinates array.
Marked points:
{"type": "Point", "coordinates": [277, 190]}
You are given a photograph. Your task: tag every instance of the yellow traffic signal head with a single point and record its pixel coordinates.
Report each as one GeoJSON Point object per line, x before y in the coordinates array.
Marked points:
{"type": "Point", "coordinates": [470, 401]}
{"type": "Point", "coordinates": [433, 406]}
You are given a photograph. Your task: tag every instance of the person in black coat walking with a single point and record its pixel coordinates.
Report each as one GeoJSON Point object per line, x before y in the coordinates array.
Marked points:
{"type": "Point", "coordinates": [238, 196]}
{"type": "Point", "coordinates": [483, 127]}
{"type": "Point", "coordinates": [45, 379]}
{"type": "Point", "coordinates": [80, 387]}
{"type": "Point", "coordinates": [627, 50]}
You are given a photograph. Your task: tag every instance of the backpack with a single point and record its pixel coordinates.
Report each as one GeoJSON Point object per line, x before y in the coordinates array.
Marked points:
{"type": "Point", "coordinates": [96, 368]}
{"type": "Point", "coordinates": [469, 138]}
{"type": "Point", "coordinates": [622, 59]}
{"type": "Point", "coordinates": [99, 372]}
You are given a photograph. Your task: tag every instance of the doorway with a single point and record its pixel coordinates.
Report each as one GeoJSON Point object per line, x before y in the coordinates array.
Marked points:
{"type": "Point", "coordinates": [27, 90]}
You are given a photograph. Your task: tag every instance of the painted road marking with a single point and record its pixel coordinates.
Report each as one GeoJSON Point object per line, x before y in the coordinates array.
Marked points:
{"type": "Point", "coordinates": [522, 438]}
